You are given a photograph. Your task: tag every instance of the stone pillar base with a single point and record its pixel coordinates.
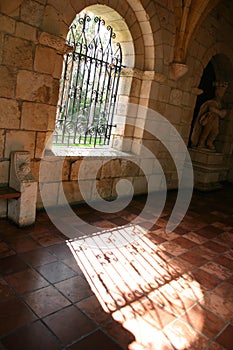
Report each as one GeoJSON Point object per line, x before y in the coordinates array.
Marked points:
{"type": "Point", "coordinates": [209, 169]}
{"type": "Point", "coordinates": [23, 210]}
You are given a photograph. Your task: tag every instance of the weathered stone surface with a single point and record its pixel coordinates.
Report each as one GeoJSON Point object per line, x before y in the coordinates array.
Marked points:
{"type": "Point", "coordinates": [71, 191]}
{"type": "Point", "coordinates": [19, 141]}
{"type": "Point", "coordinates": [53, 41]}
{"type": "Point", "coordinates": [7, 24]}
{"type": "Point", "coordinates": [36, 87]}
{"type": "Point", "coordinates": [25, 31]}
{"type": "Point", "coordinates": [7, 81]}
{"type": "Point", "coordinates": [3, 208]}
{"type": "Point", "coordinates": [37, 116]}
{"type": "Point", "coordinates": [129, 168]}
{"type": "Point", "coordinates": [89, 169]}
{"type": "Point", "coordinates": [176, 97]}
{"type": "Point", "coordinates": [9, 6]}
{"type": "Point", "coordinates": [65, 8]}
{"type": "Point", "coordinates": [9, 114]}
{"type": "Point", "coordinates": [41, 140]}
{"type": "Point", "coordinates": [45, 59]}
{"type": "Point", "coordinates": [32, 12]}
{"type": "Point", "coordinates": [17, 52]}
{"type": "Point", "coordinates": [4, 172]}
{"type": "Point", "coordinates": [104, 188]}
{"type": "Point", "coordinates": [22, 211]}
{"type": "Point", "coordinates": [111, 168]}
{"type": "Point", "coordinates": [140, 185]}
{"type": "Point", "coordinates": [53, 21]}
{"type": "Point", "coordinates": [54, 169]}
{"type": "Point", "coordinates": [2, 142]}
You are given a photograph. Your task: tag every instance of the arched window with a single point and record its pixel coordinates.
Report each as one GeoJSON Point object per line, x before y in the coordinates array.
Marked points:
{"type": "Point", "coordinates": [89, 84]}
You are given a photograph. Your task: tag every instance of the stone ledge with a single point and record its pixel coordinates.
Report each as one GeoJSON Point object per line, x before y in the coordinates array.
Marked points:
{"type": "Point", "coordinates": [80, 152]}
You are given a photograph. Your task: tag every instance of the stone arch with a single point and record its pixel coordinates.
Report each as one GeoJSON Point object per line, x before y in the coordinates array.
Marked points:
{"type": "Point", "coordinates": [126, 17]}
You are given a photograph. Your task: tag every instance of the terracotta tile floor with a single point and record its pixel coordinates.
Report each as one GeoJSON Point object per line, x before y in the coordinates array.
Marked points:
{"type": "Point", "coordinates": [158, 291]}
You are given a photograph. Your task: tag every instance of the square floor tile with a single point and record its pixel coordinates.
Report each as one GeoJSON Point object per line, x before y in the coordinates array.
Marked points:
{"type": "Point", "coordinates": [217, 270]}
{"type": "Point", "coordinates": [218, 305]}
{"type": "Point", "coordinates": [26, 281]}
{"type": "Point", "coordinates": [13, 314]}
{"type": "Point", "coordinates": [121, 335]}
{"type": "Point", "coordinates": [11, 264]}
{"type": "Point", "coordinates": [183, 336]}
{"type": "Point", "coordinates": [45, 301]}
{"type": "Point", "coordinates": [92, 308]}
{"type": "Point", "coordinates": [22, 244]}
{"type": "Point", "coordinates": [226, 338]}
{"type": "Point", "coordinates": [6, 292]}
{"type": "Point", "coordinates": [98, 337]}
{"type": "Point", "coordinates": [61, 251]}
{"type": "Point", "coordinates": [34, 336]}
{"type": "Point", "coordinates": [75, 288]}
{"type": "Point", "coordinates": [69, 324]}
{"type": "Point", "coordinates": [204, 320]}
{"type": "Point", "coordinates": [205, 279]}
{"type": "Point", "coordinates": [38, 257]}
{"type": "Point", "coordinates": [46, 239]}
{"type": "Point", "coordinates": [194, 258]}
{"type": "Point", "coordinates": [5, 250]}
{"type": "Point", "coordinates": [56, 271]}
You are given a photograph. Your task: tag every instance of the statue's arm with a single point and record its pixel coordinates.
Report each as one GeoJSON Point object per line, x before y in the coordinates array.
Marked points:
{"type": "Point", "coordinates": [220, 112]}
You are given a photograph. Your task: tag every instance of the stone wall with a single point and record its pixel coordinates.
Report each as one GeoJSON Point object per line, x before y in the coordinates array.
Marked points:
{"type": "Point", "coordinates": [32, 44]}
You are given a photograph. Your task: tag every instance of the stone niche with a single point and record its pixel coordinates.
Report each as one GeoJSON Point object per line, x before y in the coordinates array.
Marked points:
{"type": "Point", "coordinates": [209, 169]}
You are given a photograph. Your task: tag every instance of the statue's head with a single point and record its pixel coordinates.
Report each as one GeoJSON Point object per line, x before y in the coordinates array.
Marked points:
{"type": "Point", "coordinates": [220, 88]}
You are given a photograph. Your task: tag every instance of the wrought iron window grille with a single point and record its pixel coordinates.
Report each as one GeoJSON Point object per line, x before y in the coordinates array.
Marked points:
{"type": "Point", "coordinates": [89, 84]}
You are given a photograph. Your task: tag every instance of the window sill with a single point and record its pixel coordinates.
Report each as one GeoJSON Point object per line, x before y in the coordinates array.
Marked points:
{"type": "Point", "coordinates": [79, 152]}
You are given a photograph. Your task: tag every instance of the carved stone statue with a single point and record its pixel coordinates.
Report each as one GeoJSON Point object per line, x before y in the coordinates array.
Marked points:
{"type": "Point", "coordinates": [206, 127]}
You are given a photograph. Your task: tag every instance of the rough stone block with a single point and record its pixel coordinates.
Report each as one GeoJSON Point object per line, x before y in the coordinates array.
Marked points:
{"type": "Point", "coordinates": [2, 142]}
{"type": "Point", "coordinates": [25, 31]}
{"type": "Point", "coordinates": [176, 97]}
{"type": "Point", "coordinates": [111, 168]}
{"type": "Point", "coordinates": [104, 188]}
{"type": "Point", "coordinates": [50, 194]}
{"type": "Point", "coordinates": [19, 141]}
{"type": "Point", "coordinates": [89, 169]}
{"type": "Point", "coordinates": [53, 41]}
{"type": "Point", "coordinates": [71, 191]}
{"type": "Point", "coordinates": [125, 187]}
{"type": "Point", "coordinates": [164, 93]}
{"type": "Point", "coordinates": [32, 12]}
{"type": "Point", "coordinates": [4, 172]}
{"type": "Point", "coordinates": [52, 170]}
{"type": "Point", "coordinates": [53, 21]}
{"type": "Point", "coordinates": [45, 59]}
{"type": "Point", "coordinates": [7, 81]}
{"type": "Point", "coordinates": [140, 185]}
{"type": "Point", "coordinates": [7, 24]}
{"type": "Point", "coordinates": [65, 8]}
{"type": "Point", "coordinates": [35, 169]}
{"type": "Point", "coordinates": [129, 168]}
{"type": "Point", "coordinates": [41, 140]}
{"type": "Point", "coordinates": [37, 116]}
{"type": "Point", "coordinates": [36, 87]}
{"type": "Point", "coordinates": [10, 7]}
{"type": "Point", "coordinates": [17, 52]}
{"type": "Point", "coordinates": [9, 114]}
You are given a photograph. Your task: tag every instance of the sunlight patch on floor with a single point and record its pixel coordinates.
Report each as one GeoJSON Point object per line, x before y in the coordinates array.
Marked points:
{"type": "Point", "coordinates": [142, 291]}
